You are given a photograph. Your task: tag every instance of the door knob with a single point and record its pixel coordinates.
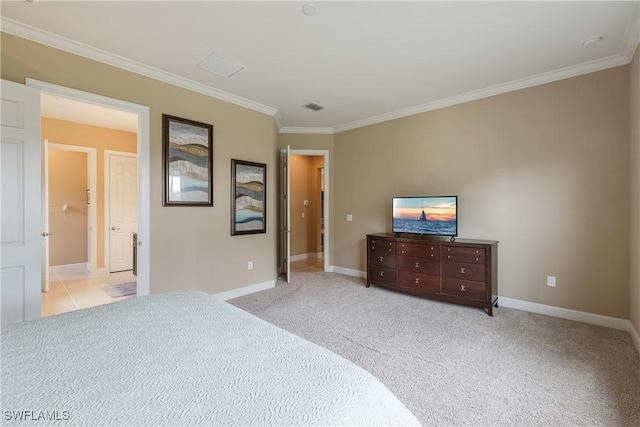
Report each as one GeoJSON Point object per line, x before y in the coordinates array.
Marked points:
{"type": "Point", "coordinates": [115, 228]}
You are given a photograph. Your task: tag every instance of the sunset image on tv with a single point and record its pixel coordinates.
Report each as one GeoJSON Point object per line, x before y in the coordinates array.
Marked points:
{"type": "Point", "coordinates": [425, 215]}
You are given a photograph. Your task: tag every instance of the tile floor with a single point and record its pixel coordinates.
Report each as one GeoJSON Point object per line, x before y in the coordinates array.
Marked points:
{"type": "Point", "coordinates": [71, 290]}
{"type": "Point", "coordinates": [310, 264]}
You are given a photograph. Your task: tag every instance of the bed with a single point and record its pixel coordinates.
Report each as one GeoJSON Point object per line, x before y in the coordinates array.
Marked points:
{"type": "Point", "coordinates": [181, 358]}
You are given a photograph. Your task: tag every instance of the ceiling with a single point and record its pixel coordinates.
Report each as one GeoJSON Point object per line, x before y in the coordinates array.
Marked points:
{"type": "Point", "coordinates": [365, 62]}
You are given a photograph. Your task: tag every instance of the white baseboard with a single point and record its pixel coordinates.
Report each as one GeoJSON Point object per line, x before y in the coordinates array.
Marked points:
{"type": "Point", "coordinates": [80, 268]}
{"type": "Point", "coordinates": [245, 290]}
{"type": "Point", "coordinates": [634, 335]}
{"type": "Point", "coordinates": [302, 257]}
{"type": "Point", "coordinates": [565, 313]}
{"type": "Point", "coordinates": [348, 271]}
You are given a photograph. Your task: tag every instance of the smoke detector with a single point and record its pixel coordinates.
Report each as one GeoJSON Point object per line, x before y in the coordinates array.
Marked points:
{"type": "Point", "coordinates": [593, 41]}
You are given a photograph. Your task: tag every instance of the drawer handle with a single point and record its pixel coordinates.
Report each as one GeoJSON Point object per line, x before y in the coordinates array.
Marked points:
{"type": "Point", "coordinates": [381, 259]}
{"type": "Point", "coordinates": [417, 280]}
{"type": "Point", "coordinates": [448, 256]}
{"type": "Point", "coordinates": [448, 249]}
{"type": "Point", "coordinates": [431, 255]}
{"type": "Point", "coordinates": [477, 259]}
{"type": "Point", "coordinates": [462, 270]}
{"type": "Point", "coordinates": [431, 247]}
{"type": "Point", "coordinates": [390, 250]}
{"type": "Point", "coordinates": [402, 251]}
{"type": "Point", "coordinates": [382, 274]}
{"type": "Point", "coordinates": [417, 265]}
{"type": "Point", "coordinates": [463, 288]}
{"type": "Point", "coordinates": [477, 252]}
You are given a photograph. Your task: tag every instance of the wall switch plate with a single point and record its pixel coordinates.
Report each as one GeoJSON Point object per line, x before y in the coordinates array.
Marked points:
{"type": "Point", "coordinates": [250, 265]}
{"type": "Point", "coordinates": [302, 214]}
{"type": "Point", "coordinates": [349, 217]}
{"type": "Point", "coordinates": [551, 281]}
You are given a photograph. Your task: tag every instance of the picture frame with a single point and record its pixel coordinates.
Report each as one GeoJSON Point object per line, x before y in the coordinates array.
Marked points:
{"type": "Point", "coordinates": [187, 150]}
{"type": "Point", "coordinates": [248, 197]}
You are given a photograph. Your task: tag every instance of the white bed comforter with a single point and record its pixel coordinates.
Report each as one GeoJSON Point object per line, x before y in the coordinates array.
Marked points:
{"type": "Point", "coordinates": [181, 358]}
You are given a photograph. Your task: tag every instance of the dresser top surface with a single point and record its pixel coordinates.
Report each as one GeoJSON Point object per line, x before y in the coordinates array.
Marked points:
{"type": "Point", "coordinates": [431, 239]}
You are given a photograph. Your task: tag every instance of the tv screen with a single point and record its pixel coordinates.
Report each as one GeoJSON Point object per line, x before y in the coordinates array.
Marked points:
{"type": "Point", "coordinates": [436, 216]}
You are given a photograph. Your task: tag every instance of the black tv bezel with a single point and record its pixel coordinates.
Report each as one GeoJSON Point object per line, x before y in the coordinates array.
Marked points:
{"type": "Point", "coordinates": [398, 233]}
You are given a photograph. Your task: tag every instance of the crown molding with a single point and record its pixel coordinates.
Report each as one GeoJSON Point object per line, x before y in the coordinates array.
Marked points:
{"type": "Point", "coordinates": [631, 40]}
{"type": "Point", "coordinates": [19, 29]}
{"type": "Point", "coordinates": [308, 130]}
{"type": "Point", "coordinates": [539, 79]}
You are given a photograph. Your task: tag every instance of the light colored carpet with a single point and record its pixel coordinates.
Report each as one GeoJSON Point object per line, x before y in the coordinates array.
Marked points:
{"type": "Point", "coordinates": [454, 365]}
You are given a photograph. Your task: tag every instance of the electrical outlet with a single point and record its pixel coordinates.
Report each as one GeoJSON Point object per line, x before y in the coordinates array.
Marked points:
{"type": "Point", "coordinates": [551, 281]}
{"type": "Point", "coordinates": [250, 265]}
{"type": "Point", "coordinates": [302, 214]}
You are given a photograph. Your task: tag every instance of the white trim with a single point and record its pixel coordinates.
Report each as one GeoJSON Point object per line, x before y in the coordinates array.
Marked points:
{"type": "Point", "coordinates": [634, 335]}
{"type": "Point", "coordinates": [327, 198]}
{"type": "Point", "coordinates": [565, 313]}
{"type": "Point", "coordinates": [143, 144]}
{"type": "Point", "coordinates": [53, 40]}
{"type": "Point", "coordinates": [310, 255]}
{"type": "Point", "coordinates": [106, 201]}
{"type": "Point", "coordinates": [349, 271]}
{"type": "Point", "coordinates": [245, 290]}
{"type": "Point", "coordinates": [49, 39]}
{"type": "Point", "coordinates": [549, 77]}
{"type": "Point", "coordinates": [631, 40]}
{"type": "Point", "coordinates": [307, 130]}
{"type": "Point", "coordinates": [92, 163]}
{"type": "Point", "coordinates": [66, 269]}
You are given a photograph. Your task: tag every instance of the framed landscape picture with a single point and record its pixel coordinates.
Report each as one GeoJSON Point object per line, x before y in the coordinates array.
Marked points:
{"type": "Point", "coordinates": [188, 162]}
{"type": "Point", "coordinates": [248, 197]}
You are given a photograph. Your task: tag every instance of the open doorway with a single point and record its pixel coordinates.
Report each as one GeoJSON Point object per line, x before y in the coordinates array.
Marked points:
{"type": "Point", "coordinates": [90, 281]}
{"type": "Point", "coordinates": [304, 213]}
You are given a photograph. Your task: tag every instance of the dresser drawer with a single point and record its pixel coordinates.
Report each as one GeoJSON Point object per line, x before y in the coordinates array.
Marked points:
{"type": "Point", "coordinates": [382, 259]}
{"type": "Point", "coordinates": [382, 246]}
{"type": "Point", "coordinates": [464, 288]}
{"type": "Point", "coordinates": [475, 255]}
{"type": "Point", "coordinates": [464, 270]}
{"type": "Point", "coordinates": [420, 251]}
{"type": "Point", "coordinates": [419, 265]}
{"type": "Point", "coordinates": [381, 274]}
{"type": "Point", "coordinates": [419, 281]}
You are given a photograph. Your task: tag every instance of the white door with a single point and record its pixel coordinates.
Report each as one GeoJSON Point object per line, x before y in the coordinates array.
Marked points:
{"type": "Point", "coordinates": [20, 240]}
{"type": "Point", "coordinates": [123, 210]}
{"type": "Point", "coordinates": [285, 157]}
{"type": "Point", "coordinates": [45, 215]}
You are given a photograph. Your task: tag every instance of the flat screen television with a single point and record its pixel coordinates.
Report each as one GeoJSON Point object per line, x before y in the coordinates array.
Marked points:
{"type": "Point", "coordinates": [430, 215]}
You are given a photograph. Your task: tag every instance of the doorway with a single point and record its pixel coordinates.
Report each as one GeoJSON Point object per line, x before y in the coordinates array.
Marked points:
{"type": "Point", "coordinates": [141, 198]}
{"type": "Point", "coordinates": [70, 181]}
{"type": "Point", "coordinates": [297, 212]}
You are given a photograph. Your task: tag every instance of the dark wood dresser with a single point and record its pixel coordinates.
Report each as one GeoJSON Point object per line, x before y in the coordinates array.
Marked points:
{"type": "Point", "coordinates": [462, 272]}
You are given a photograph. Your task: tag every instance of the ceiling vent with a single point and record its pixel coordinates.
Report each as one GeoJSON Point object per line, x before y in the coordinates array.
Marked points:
{"type": "Point", "coordinates": [313, 106]}
{"type": "Point", "coordinates": [221, 65]}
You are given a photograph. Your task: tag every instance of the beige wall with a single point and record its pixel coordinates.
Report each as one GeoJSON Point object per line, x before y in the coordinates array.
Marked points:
{"type": "Point", "coordinates": [68, 228]}
{"type": "Point", "coordinates": [63, 132]}
{"type": "Point", "coordinates": [305, 231]}
{"type": "Point", "coordinates": [543, 170]}
{"type": "Point", "coordinates": [191, 247]}
{"type": "Point", "coordinates": [634, 195]}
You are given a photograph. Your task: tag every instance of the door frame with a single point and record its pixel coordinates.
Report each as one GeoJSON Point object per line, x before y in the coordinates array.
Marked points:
{"type": "Point", "coordinates": [92, 180]}
{"type": "Point", "coordinates": [143, 149]}
{"type": "Point", "coordinates": [327, 198]}
{"type": "Point", "coordinates": [107, 202]}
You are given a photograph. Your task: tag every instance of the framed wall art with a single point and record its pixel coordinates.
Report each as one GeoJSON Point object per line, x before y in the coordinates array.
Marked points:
{"type": "Point", "coordinates": [188, 162]}
{"type": "Point", "coordinates": [248, 197]}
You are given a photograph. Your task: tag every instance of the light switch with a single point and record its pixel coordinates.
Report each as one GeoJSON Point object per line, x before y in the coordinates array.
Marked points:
{"type": "Point", "coordinates": [302, 214]}
{"type": "Point", "coordinates": [349, 217]}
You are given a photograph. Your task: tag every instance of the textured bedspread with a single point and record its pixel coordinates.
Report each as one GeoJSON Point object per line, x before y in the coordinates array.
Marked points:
{"type": "Point", "coordinates": [181, 358]}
